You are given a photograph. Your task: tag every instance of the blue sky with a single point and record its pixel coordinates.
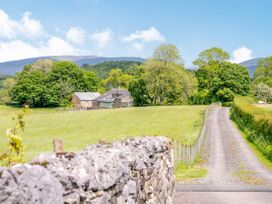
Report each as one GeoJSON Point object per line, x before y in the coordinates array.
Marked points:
{"type": "Point", "coordinates": [31, 28]}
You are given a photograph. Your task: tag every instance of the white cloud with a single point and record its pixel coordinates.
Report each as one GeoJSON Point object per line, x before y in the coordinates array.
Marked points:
{"type": "Point", "coordinates": [16, 50]}
{"type": "Point", "coordinates": [19, 49]}
{"type": "Point", "coordinates": [76, 35]}
{"type": "Point", "coordinates": [242, 54]}
{"type": "Point", "coordinates": [138, 46]}
{"type": "Point", "coordinates": [102, 38]}
{"type": "Point", "coordinates": [58, 46]}
{"type": "Point", "coordinates": [7, 26]}
{"type": "Point", "coordinates": [27, 26]}
{"type": "Point", "coordinates": [14, 46]}
{"type": "Point", "coordinates": [149, 35]}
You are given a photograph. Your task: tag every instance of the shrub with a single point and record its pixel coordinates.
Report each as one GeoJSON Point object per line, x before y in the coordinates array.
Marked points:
{"type": "Point", "coordinates": [263, 92]}
{"type": "Point", "coordinates": [255, 122]}
{"type": "Point", "coordinates": [15, 151]}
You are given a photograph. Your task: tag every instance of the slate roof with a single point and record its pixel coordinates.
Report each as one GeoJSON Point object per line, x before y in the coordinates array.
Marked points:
{"type": "Point", "coordinates": [87, 96]}
{"type": "Point", "coordinates": [108, 97]}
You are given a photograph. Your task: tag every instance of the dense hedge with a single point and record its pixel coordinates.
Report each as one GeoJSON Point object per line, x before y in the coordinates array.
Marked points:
{"type": "Point", "coordinates": [255, 122]}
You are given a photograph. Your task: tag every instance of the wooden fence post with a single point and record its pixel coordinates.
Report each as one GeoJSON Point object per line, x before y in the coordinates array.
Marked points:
{"type": "Point", "coordinates": [57, 145]}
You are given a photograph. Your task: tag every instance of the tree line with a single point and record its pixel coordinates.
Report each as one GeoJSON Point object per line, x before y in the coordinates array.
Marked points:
{"type": "Point", "coordinates": [160, 80]}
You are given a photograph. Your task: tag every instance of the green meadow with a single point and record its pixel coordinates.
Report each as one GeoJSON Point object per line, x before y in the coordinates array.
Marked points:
{"type": "Point", "coordinates": [267, 107]}
{"type": "Point", "coordinates": [79, 129]}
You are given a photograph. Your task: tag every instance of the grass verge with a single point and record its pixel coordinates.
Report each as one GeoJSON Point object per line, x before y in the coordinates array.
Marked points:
{"type": "Point", "coordinates": [260, 156]}
{"type": "Point", "coordinates": [188, 172]}
{"type": "Point", "coordinates": [184, 172]}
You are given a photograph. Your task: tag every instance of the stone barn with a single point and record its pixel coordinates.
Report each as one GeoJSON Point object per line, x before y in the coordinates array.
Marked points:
{"type": "Point", "coordinates": [84, 100]}
{"type": "Point", "coordinates": [115, 98]}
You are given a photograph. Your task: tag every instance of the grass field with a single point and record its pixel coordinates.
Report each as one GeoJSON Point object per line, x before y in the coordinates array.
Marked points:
{"type": "Point", "coordinates": [266, 106]}
{"type": "Point", "coordinates": [78, 129]}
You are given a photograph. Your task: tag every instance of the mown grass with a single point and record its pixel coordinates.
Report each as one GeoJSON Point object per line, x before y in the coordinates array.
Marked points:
{"type": "Point", "coordinates": [79, 129]}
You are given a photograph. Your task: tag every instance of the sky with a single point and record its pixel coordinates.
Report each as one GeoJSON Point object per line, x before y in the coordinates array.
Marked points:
{"type": "Point", "coordinates": [114, 28]}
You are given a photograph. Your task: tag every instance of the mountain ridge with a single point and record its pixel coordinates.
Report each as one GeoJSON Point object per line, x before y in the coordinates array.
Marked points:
{"type": "Point", "coordinates": [12, 67]}
{"type": "Point", "coordinates": [251, 65]}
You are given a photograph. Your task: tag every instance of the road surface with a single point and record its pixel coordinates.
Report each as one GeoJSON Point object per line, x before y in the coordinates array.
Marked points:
{"type": "Point", "coordinates": [235, 174]}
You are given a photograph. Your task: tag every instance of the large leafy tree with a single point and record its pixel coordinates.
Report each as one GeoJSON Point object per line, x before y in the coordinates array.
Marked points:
{"type": "Point", "coordinates": [30, 88]}
{"type": "Point", "coordinates": [167, 53]}
{"type": "Point", "coordinates": [162, 79]}
{"type": "Point", "coordinates": [167, 83]}
{"type": "Point", "coordinates": [117, 79]}
{"type": "Point", "coordinates": [138, 90]}
{"type": "Point", "coordinates": [221, 81]}
{"type": "Point", "coordinates": [213, 54]}
{"type": "Point", "coordinates": [51, 86]}
{"type": "Point", "coordinates": [162, 83]}
{"type": "Point", "coordinates": [44, 65]}
{"type": "Point", "coordinates": [66, 78]}
{"type": "Point", "coordinates": [263, 73]}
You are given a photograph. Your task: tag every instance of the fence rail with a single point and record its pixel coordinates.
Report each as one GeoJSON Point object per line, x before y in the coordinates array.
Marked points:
{"type": "Point", "coordinates": [188, 153]}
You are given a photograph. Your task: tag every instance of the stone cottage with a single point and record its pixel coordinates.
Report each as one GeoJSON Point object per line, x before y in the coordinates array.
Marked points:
{"type": "Point", "coordinates": [115, 98]}
{"type": "Point", "coordinates": [84, 100]}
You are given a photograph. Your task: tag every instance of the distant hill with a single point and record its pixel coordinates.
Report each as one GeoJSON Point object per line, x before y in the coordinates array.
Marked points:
{"type": "Point", "coordinates": [12, 67]}
{"type": "Point", "coordinates": [251, 65]}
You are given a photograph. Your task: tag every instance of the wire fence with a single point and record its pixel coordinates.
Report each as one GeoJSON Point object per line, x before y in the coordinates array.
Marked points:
{"type": "Point", "coordinates": [189, 153]}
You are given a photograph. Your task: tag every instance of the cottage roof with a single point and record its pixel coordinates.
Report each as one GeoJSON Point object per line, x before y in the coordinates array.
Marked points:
{"type": "Point", "coordinates": [108, 97]}
{"type": "Point", "coordinates": [87, 96]}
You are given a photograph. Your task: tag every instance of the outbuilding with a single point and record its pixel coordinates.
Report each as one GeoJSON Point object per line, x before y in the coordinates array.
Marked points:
{"type": "Point", "coordinates": [84, 100]}
{"type": "Point", "coordinates": [115, 98]}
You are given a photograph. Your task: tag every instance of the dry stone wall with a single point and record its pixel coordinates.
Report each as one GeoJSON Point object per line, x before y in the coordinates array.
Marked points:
{"type": "Point", "coordinates": [138, 170]}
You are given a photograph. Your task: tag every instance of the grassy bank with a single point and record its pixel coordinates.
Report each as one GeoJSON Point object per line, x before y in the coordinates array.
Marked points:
{"type": "Point", "coordinates": [261, 157]}
{"type": "Point", "coordinates": [78, 129]}
{"type": "Point", "coordinates": [185, 172]}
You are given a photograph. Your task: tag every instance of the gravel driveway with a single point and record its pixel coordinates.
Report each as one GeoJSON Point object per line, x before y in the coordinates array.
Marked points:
{"type": "Point", "coordinates": [232, 166]}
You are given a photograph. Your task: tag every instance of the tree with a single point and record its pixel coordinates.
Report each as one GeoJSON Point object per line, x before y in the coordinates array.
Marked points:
{"type": "Point", "coordinates": [117, 79]}
{"type": "Point", "coordinates": [167, 53]}
{"type": "Point", "coordinates": [263, 92]}
{"type": "Point", "coordinates": [53, 87]}
{"type": "Point", "coordinates": [8, 83]}
{"type": "Point", "coordinates": [214, 54]}
{"type": "Point", "coordinates": [167, 83]}
{"type": "Point", "coordinates": [30, 88]}
{"type": "Point", "coordinates": [102, 69]}
{"type": "Point", "coordinates": [221, 81]}
{"type": "Point", "coordinates": [44, 65]}
{"type": "Point", "coordinates": [263, 73]}
{"type": "Point", "coordinates": [66, 78]}
{"type": "Point", "coordinates": [138, 90]}
{"type": "Point", "coordinates": [91, 82]}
